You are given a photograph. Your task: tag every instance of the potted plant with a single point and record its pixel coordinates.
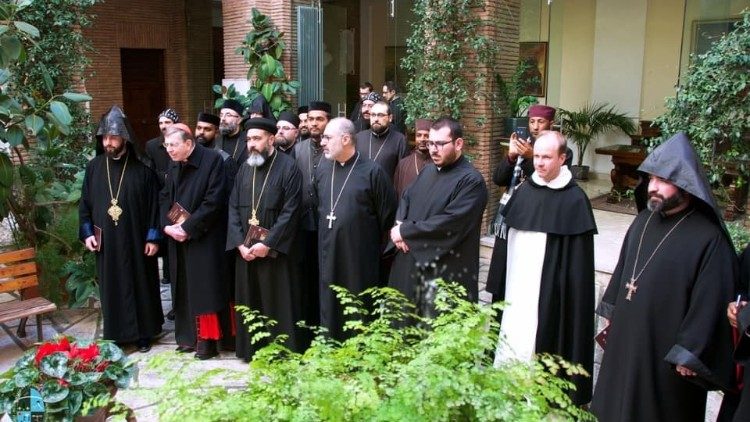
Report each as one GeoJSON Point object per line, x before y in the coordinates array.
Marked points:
{"type": "Point", "coordinates": [583, 125]}
{"type": "Point", "coordinates": [511, 93]}
{"type": "Point", "coordinates": [712, 107]}
{"type": "Point", "coordinates": [63, 377]}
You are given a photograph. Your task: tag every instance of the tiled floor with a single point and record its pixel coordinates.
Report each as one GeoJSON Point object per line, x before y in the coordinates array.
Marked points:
{"type": "Point", "coordinates": [87, 323]}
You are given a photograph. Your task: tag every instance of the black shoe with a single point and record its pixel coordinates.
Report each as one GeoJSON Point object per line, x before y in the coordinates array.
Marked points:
{"type": "Point", "coordinates": [165, 281]}
{"type": "Point", "coordinates": [143, 345]}
{"type": "Point", "coordinates": [206, 349]}
{"type": "Point", "coordinates": [170, 315]}
{"type": "Point", "coordinates": [185, 349]}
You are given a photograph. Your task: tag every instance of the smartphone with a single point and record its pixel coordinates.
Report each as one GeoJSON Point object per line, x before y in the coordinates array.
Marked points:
{"type": "Point", "coordinates": [523, 133]}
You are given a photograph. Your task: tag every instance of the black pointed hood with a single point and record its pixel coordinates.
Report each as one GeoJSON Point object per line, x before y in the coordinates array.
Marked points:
{"type": "Point", "coordinates": [676, 161]}
{"type": "Point", "coordinates": [114, 122]}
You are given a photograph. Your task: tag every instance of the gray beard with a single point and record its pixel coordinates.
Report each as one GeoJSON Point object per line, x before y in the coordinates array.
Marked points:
{"type": "Point", "coordinates": [228, 128]}
{"type": "Point", "coordinates": [256, 160]}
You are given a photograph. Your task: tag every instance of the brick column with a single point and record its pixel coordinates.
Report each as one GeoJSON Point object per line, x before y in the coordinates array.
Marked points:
{"type": "Point", "coordinates": [501, 26]}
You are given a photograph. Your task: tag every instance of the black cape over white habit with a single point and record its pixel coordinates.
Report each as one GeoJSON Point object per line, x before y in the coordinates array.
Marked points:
{"type": "Point", "coordinates": [561, 213]}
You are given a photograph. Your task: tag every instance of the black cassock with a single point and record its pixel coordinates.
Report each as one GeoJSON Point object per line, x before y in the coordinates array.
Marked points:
{"type": "Point", "coordinates": [565, 320]}
{"type": "Point", "coordinates": [386, 149]}
{"type": "Point", "coordinates": [268, 285]}
{"type": "Point", "coordinates": [350, 246]}
{"type": "Point", "coordinates": [128, 279]}
{"type": "Point", "coordinates": [742, 351]}
{"type": "Point", "coordinates": [441, 215]}
{"type": "Point", "coordinates": [677, 316]}
{"type": "Point", "coordinates": [199, 264]}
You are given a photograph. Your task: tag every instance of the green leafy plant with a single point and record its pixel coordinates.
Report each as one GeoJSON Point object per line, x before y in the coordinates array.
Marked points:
{"type": "Point", "coordinates": [739, 234]}
{"type": "Point", "coordinates": [67, 373]}
{"type": "Point", "coordinates": [437, 370]}
{"type": "Point", "coordinates": [446, 39]}
{"type": "Point", "coordinates": [262, 49]}
{"type": "Point", "coordinates": [511, 93]}
{"type": "Point", "coordinates": [712, 105]}
{"type": "Point", "coordinates": [583, 125]}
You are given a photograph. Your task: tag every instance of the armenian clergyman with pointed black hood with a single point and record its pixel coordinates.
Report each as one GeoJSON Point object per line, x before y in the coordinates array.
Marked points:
{"type": "Point", "coordinates": [118, 215]}
{"type": "Point", "coordinates": [668, 338]}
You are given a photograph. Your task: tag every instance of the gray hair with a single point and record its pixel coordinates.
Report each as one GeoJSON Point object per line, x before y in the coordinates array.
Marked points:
{"type": "Point", "coordinates": [344, 126]}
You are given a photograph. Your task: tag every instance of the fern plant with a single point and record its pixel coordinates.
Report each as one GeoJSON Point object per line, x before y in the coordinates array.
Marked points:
{"type": "Point", "coordinates": [582, 126]}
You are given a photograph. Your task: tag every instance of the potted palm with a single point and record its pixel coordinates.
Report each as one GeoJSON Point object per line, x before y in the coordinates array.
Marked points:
{"type": "Point", "coordinates": [511, 93]}
{"type": "Point", "coordinates": [582, 126]}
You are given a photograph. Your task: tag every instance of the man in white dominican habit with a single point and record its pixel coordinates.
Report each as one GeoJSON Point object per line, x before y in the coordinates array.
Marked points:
{"type": "Point", "coordinates": [548, 276]}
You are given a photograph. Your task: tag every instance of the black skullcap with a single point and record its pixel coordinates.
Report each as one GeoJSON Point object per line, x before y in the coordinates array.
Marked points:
{"type": "Point", "coordinates": [261, 123]}
{"type": "Point", "coordinates": [372, 96]}
{"type": "Point", "coordinates": [170, 114]}
{"type": "Point", "coordinates": [234, 105]}
{"type": "Point", "coordinates": [290, 117]}
{"type": "Point", "coordinates": [209, 118]}
{"type": "Point", "coordinates": [302, 109]}
{"type": "Point", "coordinates": [320, 105]}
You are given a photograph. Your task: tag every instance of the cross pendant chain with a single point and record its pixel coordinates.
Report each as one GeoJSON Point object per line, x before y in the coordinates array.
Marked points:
{"type": "Point", "coordinates": [114, 211]}
{"type": "Point", "coordinates": [631, 286]}
{"type": "Point", "coordinates": [254, 219]}
{"type": "Point", "coordinates": [330, 218]}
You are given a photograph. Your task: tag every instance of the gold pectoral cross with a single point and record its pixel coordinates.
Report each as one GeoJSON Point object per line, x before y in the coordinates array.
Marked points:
{"type": "Point", "coordinates": [631, 289]}
{"type": "Point", "coordinates": [253, 219]}
{"type": "Point", "coordinates": [114, 211]}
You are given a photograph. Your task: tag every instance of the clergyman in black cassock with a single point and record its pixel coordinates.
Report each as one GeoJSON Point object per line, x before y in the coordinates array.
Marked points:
{"type": "Point", "coordinates": [125, 262]}
{"type": "Point", "coordinates": [547, 272]}
{"type": "Point", "coordinates": [669, 340]}
{"type": "Point", "coordinates": [357, 203]}
{"type": "Point", "coordinates": [266, 193]}
{"type": "Point", "coordinates": [438, 221]}
{"type": "Point", "coordinates": [736, 407]}
{"type": "Point", "coordinates": [382, 143]}
{"type": "Point", "coordinates": [197, 182]}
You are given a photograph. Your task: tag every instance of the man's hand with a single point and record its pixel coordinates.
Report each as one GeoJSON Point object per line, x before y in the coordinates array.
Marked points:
{"type": "Point", "coordinates": [519, 147]}
{"type": "Point", "coordinates": [259, 250]}
{"type": "Point", "coordinates": [91, 243]}
{"type": "Point", "coordinates": [732, 310]}
{"type": "Point", "coordinates": [176, 232]}
{"type": "Point", "coordinates": [151, 249]}
{"type": "Point", "coordinates": [685, 372]}
{"type": "Point", "coordinates": [397, 239]}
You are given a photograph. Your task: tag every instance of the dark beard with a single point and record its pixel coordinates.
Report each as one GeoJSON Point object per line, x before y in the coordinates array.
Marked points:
{"type": "Point", "coordinates": [304, 132]}
{"type": "Point", "coordinates": [116, 153]}
{"type": "Point", "coordinates": [382, 129]}
{"type": "Point", "coordinates": [666, 204]}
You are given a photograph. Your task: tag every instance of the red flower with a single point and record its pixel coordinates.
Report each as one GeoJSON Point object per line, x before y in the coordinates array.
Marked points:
{"type": "Point", "coordinates": [63, 345]}
{"type": "Point", "coordinates": [86, 354]}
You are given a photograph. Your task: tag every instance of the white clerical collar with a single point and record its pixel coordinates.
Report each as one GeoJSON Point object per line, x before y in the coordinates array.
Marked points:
{"type": "Point", "coordinates": [558, 182]}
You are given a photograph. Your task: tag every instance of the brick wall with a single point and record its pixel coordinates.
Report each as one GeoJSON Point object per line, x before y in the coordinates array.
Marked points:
{"type": "Point", "coordinates": [181, 28]}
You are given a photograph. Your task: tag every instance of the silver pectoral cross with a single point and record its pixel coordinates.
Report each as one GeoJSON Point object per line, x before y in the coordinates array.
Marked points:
{"type": "Point", "coordinates": [330, 218]}
{"type": "Point", "coordinates": [631, 289]}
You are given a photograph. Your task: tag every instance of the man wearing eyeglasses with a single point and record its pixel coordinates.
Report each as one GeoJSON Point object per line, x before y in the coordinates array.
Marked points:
{"type": "Point", "coordinates": [547, 272]}
{"type": "Point", "coordinates": [231, 140]}
{"type": "Point", "coordinates": [438, 221]}
{"type": "Point", "coordinates": [286, 132]}
{"type": "Point", "coordinates": [381, 143]}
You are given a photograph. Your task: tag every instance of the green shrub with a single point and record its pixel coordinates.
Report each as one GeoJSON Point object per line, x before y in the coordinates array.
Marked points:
{"type": "Point", "coordinates": [384, 372]}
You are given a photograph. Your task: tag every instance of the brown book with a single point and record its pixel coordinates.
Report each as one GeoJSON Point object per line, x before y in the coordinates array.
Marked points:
{"type": "Point", "coordinates": [177, 214]}
{"type": "Point", "coordinates": [256, 234]}
{"type": "Point", "coordinates": [601, 338]}
{"type": "Point", "coordinates": [98, 238]}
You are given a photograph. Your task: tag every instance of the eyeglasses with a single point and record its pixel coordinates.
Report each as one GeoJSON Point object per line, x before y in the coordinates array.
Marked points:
{"type": "Point", "coordinates": [378, 115]}
{"type": "Point", "coordinates": [230, 115]}
{"type": "Point", "coordinates": [285, 128]}
{"type": "Point", "coordinates": [438, 144]}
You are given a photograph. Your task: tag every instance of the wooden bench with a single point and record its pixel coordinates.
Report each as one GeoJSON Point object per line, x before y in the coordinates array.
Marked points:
{"type": "Point", "coordinates": [18, 273]}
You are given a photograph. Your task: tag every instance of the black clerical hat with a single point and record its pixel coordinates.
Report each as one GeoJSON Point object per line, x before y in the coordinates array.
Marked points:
{"type": "Point", "coordinates": [290, 117]}
{"type": "Point", "coordinates": [208, 118]}
{"type": "Point", "coordinates": [261, 123]}
{"type": "Point", "coordinates": [234, 105]}
{"type": "Point", "coordinates": [302, 109]}
{"type": "Point", "coordinates": [320, 105]}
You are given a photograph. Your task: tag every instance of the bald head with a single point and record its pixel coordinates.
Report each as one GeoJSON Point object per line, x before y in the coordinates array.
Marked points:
{"type": "Point", "coordinates": [339, 139]}
{"type": "Point", "coordinates": [549, 154]}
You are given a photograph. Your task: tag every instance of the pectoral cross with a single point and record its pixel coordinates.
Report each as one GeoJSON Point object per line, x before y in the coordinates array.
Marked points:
{"type": "Point", "coordinates": [253, 219]}
{"type": "Point", "coordinates": [330, 218]}
{"type": "Point", "coordinates": [631, 289]}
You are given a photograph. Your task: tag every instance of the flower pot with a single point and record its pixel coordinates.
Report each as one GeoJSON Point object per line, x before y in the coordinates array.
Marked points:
{"type": "Point", "coordinates": [580, 172]}
{"type": "Point", "coordinates": [513, 123]}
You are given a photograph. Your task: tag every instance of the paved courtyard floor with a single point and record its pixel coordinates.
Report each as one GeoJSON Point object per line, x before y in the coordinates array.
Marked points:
{"type": "Point", "coordinates": [86, 323]}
